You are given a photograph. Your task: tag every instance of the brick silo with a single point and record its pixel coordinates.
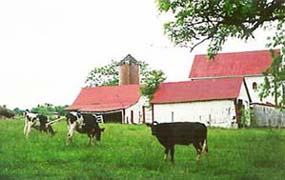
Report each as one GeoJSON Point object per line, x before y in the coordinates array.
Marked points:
{"type": "Point", "coordinates": [129, 71]}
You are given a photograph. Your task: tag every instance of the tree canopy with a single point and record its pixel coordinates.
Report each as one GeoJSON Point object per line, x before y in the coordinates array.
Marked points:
{"type": "Point", "coordinates": [153, 79]}
{"type": "Point", "coordinates": [108, 75]}
{"type": "Point", "coordinates": [197, 21]}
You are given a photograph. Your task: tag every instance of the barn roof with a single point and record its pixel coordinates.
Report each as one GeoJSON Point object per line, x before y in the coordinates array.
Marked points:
{"type": "Point", "coordinates": [198, 90]}
{"type": "Point", "coordinates": [106, 98]}
{"type": "Point", "coordinates": [231, 64]}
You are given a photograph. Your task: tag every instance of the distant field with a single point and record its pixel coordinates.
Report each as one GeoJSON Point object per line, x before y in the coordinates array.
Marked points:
{"type": "Point", "coordinates": [131, 152]}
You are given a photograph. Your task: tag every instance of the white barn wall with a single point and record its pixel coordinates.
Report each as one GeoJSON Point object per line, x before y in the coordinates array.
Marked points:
{"type": "Point", "coordinates": [243, 95]}
{"type": "Point", "coordinates": [218, 113]}
{"type": "Point", "coordinates": [137, 110]}
{"type": "Point", "coordinates": [254, 93]}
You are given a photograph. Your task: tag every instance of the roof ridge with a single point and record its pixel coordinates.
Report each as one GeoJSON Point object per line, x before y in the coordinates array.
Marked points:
{"type": "Point", "coordinates": [239, 52]}
{"type": "Point", "coordinates": [125, 85]}
{"type": "Point", "coordinates": [206, 79]}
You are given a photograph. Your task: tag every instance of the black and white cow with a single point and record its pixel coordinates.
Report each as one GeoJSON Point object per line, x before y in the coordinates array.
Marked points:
{"type": "Point", "coordinates": [83, 123]}
{"type": "Point", "coordinates": [183, 133]}
{"type": "Point", "coordinates": [37, 121]}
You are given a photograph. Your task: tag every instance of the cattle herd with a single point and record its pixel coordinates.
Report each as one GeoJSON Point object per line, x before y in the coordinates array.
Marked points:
{"type": "Point", "coordinates": [168, 134]}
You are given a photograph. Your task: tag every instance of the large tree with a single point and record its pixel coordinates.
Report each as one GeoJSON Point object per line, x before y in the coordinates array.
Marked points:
{"type": "Point", "coordinates": [197, 21]}
{"type": "Point", "coordinates": [214, 21]}
{"type": "Point", "coordinates": [108, 75]}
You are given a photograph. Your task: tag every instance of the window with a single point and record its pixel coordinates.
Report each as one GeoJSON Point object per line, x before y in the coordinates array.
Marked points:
{"type": "Point", "coordinates": [254, 85]}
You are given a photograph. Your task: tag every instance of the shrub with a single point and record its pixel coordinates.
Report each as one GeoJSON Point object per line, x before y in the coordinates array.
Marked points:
{"type": "Point", "coordinates": [4, 112]}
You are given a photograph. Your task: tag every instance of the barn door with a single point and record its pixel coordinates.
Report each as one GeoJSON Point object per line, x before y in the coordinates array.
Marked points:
{"type": "Point", "coordinates": [143, 114]}
{"type": "Point", "coordinates": [132, 117]}
{"type": "Point", "coordinates": [240, 113]}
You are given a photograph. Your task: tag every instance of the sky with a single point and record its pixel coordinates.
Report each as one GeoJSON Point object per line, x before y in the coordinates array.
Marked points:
{"type": "Point", "coordinates": [48, 47]}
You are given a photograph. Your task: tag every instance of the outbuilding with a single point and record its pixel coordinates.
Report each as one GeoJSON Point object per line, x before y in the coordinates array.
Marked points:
{"type": "Point", "coordinates": [247, 64]}
{"type": "Point", "coordinates": [214, 102]}
{"type": "Point", "coordinates": [122, 104]}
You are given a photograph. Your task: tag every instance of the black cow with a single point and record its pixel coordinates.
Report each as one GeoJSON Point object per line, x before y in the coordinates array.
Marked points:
{"type": "Point", "coordinates": [83, 123]}
{"type": "Point", "coordinates": [183, 133]}
{"type": "Point", "coordinates": [37, 121]}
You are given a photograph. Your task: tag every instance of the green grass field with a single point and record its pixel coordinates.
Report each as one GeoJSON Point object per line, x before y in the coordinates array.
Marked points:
{"type": "Point", "coordinates": [131, 152]}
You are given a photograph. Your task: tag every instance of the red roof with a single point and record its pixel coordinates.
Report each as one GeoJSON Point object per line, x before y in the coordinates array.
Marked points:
{"type": "Point", "coordinates": [198, 90]}
{"type": "Point", "coordinates": [106, 98]}
{"type": "Point", "coordinates": [231, 64]}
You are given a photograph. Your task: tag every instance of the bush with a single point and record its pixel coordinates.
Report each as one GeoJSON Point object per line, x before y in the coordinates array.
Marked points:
{"type": "Point", "coordinates": [6, 113]}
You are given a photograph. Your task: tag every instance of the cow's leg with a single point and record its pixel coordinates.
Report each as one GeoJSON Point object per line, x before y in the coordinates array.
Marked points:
{"type": "Point", "coordinates": [50, 130]}
{"type": "Point", "coordinates": [198, 148]}
{"type": "Point", "coordinates": [172, 153]}
{"type": "Point", "coordinates": [166, 152]}
{"type": "Point", "coordinates": [205, 150]}
{"type": "Point", "coordinates": [91, 135]}
{"type": "Point", "coordinates": [70, 132]}
{"type": "Point", "coordinates": [26, 127]}
{"type": "Point", "coordinates": [90, 139]}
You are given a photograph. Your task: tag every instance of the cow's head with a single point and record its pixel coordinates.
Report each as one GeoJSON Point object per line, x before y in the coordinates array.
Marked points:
{"type": "Point", "coordinates": [31, 120]}
{"type": "Point", "coordinates": [98, 134]}
{"type": "Point", "coordinates": [153, 126]}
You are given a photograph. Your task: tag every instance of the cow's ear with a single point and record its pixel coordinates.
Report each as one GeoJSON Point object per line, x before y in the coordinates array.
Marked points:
{"type": "Point", "coordinates": [102, 129]}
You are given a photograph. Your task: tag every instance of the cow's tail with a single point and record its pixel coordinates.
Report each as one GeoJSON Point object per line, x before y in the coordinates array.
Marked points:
{"type": "Point", "coordinates": [205, 143]}
{"type": "Point", "coordinates": [205, 146]}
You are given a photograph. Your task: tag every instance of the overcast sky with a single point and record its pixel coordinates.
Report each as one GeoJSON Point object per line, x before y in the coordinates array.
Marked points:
{"type": "Point", "coordinates": [48, 47]}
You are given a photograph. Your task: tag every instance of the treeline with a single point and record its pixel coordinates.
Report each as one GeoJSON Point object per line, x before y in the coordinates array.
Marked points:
{"type": "Point", "coordinates": [49, 109]}
{"type": "Point", "coordinates": [44, 109]}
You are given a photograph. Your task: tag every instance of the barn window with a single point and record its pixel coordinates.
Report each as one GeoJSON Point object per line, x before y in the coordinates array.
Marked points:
{"type": "Point", "coordinates": [254, 85]}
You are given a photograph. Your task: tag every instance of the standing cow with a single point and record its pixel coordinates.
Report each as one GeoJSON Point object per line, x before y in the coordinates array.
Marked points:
{"type": "Point", "coordinates": [183, 133]}
{"type": "Point", "coordinates": [37, 121]}
{"type": "Point", "coordinates": [83, 123]}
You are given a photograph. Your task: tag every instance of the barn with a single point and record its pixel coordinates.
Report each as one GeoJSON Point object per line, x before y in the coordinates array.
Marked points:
{"type": "Point", "coordinates": [214, 102]}
{"type": "Point", "coordinates": [248, 64]}
{"type": "Point", "coordinates": [122, 103]}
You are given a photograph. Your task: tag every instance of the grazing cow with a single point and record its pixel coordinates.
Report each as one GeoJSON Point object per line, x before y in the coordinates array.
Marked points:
{"type": "Point", "coordinates": [183, 133]}
{"type": "Point", "coordinates": [83, 123]}
{"type": "Point", "coordinates": [37, 121]}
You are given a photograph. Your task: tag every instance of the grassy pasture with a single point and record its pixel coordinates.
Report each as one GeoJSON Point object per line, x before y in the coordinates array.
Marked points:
{"type": "Point", "coordinates": [131, 152]}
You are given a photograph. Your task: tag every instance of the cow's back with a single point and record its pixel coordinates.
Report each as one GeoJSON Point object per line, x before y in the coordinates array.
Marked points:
{"type": "Point", "coordinates": [181, 132]}
{"type": "Point", "coordinates": [90, 121]}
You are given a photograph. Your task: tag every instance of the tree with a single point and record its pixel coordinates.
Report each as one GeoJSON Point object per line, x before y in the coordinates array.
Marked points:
{"type": "Point", "coordinates": [153, 79]}
{"type": "Point", "coordinates": [49, 110]}
{"type": "Point", "coordinates": [274, 81]}
{"type": "Point", "coordinates": [108, 75]}
{"type": "Point", "coordinates": [197, 21]}
{"type": "Point", "coordinates": [18, 111]}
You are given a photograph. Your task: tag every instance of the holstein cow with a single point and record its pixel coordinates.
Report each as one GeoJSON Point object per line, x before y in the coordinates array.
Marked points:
{"type": "Point", "coordinates": [183, 133]}
{"type": "Point", "coordinates": [39, 122]}
{"type": "Point", "coordinates": [83, 123]}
